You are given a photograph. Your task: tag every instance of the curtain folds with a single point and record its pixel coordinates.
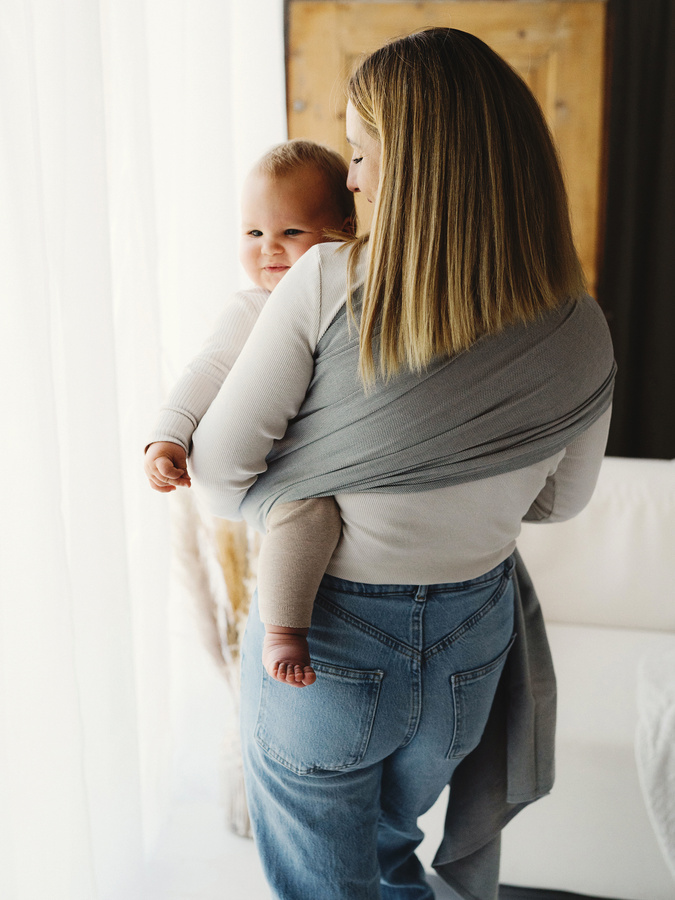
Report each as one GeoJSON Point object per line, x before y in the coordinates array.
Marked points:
{"type": "Point", "coordinates": [118, 224]}
{"type": "Point", "coordinates": [636, 285]}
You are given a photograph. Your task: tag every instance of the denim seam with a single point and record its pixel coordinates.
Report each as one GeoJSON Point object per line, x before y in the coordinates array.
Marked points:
{"type": "Point", "coordinates": [416, 674]}
{"type": "Point", "coordinates": [473, 620]}
{"type": "Point", "coordinates": [405, 591]}
{"type": "Point", "coordinates": [365, 676]}
{"type": "Point", "coordinates": [410, 590]}
{"type": "Point", "coordinates": [354, 760]}
{"type": "Point", "coordinates": [381, 636]}
{"type": "Point", "coordinates": [461, 678]}
{"type": "Point", "coordinates": [487, 669]}
{"type": "Point", "coordinates": [460, 586]}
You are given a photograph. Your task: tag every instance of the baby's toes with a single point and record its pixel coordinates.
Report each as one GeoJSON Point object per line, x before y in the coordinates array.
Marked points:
{"type": "Point", "coordinates": [292, 673]}
{"type": "Point", "coordinates": [309, 675]}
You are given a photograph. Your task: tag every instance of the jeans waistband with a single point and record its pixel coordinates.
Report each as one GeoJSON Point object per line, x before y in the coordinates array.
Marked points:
{"type": "Point", "coordinates": [503, 569]}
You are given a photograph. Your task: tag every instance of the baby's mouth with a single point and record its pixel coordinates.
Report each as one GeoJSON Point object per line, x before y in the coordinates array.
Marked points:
{"type": "Point", "coordinates": [274, 270]}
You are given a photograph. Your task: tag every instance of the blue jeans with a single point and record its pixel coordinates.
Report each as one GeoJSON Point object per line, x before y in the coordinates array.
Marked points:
{"type": "Point", "coordinates": [337, 773]}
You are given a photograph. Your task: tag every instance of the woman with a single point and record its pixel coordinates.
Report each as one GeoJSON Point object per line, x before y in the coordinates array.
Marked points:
{"type": "Point", "coordinates": [474, 394]}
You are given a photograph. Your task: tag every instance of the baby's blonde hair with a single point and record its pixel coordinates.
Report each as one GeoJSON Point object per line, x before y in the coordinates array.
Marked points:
{"type": "Point", "coordinates": [287, 158]}
{"type": "Point", "coordinates": [471, 229]}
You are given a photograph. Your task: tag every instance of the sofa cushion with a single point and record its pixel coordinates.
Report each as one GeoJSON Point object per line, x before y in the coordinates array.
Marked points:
{"type": "Point", "coordinates": [593, 835]}
{"type": "Point", "coordinates": [614, 564]}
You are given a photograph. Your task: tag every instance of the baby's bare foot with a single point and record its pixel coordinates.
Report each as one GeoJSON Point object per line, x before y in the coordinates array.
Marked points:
{"type": "Point", "coordinates": [286, 659]}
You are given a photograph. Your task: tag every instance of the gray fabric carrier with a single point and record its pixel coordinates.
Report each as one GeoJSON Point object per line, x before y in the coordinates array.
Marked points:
{"type": "Point", "coordinates": [511, 400]}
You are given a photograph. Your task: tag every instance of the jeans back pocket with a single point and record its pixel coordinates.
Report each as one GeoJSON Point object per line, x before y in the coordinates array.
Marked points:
{"type": "Point", "coordinates": [325, 727]}
{"type": "Point", "coordinates": [472, 695]}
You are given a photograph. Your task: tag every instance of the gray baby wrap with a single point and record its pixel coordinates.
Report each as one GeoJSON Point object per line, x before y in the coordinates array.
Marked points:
{"type": "Point", "coordinates": [511, 400]}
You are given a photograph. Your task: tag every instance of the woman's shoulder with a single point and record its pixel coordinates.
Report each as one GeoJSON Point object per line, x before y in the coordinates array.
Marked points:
{"type": "Point", "coordinates": [319, 281]}
{"type": "Point", "coordinates": [330, 262]}
{"type": "Point", "coordinates": [333, 257]}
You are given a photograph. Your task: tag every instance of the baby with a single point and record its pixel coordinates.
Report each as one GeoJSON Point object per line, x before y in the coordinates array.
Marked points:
{"type": "Point", "coordinates": [293, 195]}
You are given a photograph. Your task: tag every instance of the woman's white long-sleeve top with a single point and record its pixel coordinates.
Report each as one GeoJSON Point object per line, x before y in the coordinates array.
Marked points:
{"type": "Point", "coordinates": [446, 534]}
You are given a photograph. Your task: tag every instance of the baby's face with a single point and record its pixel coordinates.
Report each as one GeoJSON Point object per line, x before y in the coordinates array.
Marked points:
{"type": "Point", "coordinates": [282, 218]}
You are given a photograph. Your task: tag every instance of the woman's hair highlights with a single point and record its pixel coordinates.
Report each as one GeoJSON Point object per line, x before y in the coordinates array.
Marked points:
{"type": "Point", "coordinates": [471, 228]}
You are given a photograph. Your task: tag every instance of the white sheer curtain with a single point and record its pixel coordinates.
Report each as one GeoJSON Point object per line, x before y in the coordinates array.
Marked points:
{"type": "Point", "coordinates": [124, 128]}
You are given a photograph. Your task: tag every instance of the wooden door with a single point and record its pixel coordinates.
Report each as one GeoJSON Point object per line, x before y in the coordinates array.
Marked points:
{"type": "Point", "coordinates": [558, 48]}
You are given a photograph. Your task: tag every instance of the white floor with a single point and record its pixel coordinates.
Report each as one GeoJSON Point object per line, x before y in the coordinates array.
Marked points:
{"type": "Point", "coordinates": [200, 859]}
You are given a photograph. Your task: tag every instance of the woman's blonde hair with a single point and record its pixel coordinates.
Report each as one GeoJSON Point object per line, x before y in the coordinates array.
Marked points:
{"type": "Point", "coordinates": [471, 228]}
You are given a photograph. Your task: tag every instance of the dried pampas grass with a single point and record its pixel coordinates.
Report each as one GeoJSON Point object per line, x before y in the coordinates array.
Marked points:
{"type": "Point", "coordinates": [237, 549]}
{"type": "Point", "coordinates": [216, 561]}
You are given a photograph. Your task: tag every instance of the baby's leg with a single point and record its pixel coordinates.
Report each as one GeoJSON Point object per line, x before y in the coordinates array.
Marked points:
{"type": "Point", "coordinates": [286, 655]}
{"type": "Point", "coordinates": [300, 540]}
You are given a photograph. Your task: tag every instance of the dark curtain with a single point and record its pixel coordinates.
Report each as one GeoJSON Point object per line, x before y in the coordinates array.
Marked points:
{"type": "Point", "coordinates": [637, 279]}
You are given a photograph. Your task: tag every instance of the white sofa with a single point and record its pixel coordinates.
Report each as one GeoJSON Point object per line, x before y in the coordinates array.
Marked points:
{"type": "Point", "coordinates": [606, 582]}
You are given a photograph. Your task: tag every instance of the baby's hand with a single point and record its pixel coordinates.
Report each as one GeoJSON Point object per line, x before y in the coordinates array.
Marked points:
{"type": "Point", "coordinates": [166, 466]}
{"type": "Point", "coordinates": [286, 656]}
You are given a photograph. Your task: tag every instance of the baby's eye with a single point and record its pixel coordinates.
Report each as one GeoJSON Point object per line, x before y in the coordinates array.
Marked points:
{"type": "Point", "coordinates": [356, 160]}
{"type": "Point", "coordinates": [255, 233]}
{"type": "Point", "coordinates": [292, 231]}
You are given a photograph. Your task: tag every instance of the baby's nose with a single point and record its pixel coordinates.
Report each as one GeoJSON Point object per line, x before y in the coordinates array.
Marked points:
{"type": "Point", "coordinates": [272, 246]}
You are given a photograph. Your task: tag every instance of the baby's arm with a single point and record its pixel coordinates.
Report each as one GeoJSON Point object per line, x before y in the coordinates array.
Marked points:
{"type": "Point", "coordinates": [169, 444]}
{"type": "Point", "coordinates": [300, 540]}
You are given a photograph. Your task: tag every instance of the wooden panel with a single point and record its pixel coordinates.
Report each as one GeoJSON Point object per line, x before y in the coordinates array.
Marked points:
{"type": "Point", "coordinates": [558, 48]}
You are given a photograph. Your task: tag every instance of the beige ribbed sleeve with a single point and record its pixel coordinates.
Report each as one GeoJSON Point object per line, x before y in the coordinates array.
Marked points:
{"type": "Point", "coordinates": [300, 540]}
{"type": "Point", "coordinates": [203, 377]}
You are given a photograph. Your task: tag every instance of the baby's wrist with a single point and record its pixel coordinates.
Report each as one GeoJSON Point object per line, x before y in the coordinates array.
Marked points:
{"type": "Point", "coordinates": [282, 629]}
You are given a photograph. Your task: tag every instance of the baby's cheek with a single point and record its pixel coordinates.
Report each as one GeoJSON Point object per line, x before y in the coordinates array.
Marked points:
{"type": "Point", "coordinates": [247, 257]}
